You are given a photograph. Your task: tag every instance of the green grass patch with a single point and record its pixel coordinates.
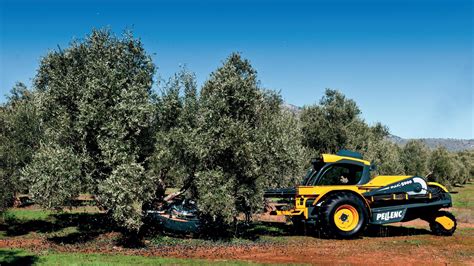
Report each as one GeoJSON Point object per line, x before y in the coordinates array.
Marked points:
{"type": "Point", "coordinates": [164, 240]}
{"type": "Point", "coordinates": [465, 232]}
{"type": "Point", "coordinates": [21, 257]}
{"type": "Point", "coordinates": [276, 239]}
{"type": "Point", "coordinates": [106, 259]}
{"type": "Point", "coordinates": [42, 214]}
{"type": "Point", "coordinates": [16, 257]}
{"type": "Point", "coordinates": [266, 229]}
{"type": "Point", "coordinates": [465, 196]}
{"type": "Point", "coordinates": [28, 214]}
{"type": "Point", "coordinates": [63, 232]}
{"type": "Point", "coordinates": [414, 242]}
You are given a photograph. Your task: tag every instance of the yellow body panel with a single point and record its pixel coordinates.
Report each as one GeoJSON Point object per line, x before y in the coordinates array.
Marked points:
{"type": "Point", "coordinates": [322, 190]}
{"type": "Point", "coordinates": [316, 192]}
{"type": "Point", "coordinates": [332, 158]}
{"type": "Point", "coordinates": [383, 180]}
{"type": "Point", "coordinates": [290, 212]}
{"type": "Point", "coordinates": [438, 185]}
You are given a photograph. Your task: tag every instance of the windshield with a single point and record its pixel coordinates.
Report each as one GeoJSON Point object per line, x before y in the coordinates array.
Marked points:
{"type": "Point", "coordinates": [307, 176]}
{"type": "Point", "coordinates": [341, 174]}
{"type": "Point", "coordinates": [311, 174]}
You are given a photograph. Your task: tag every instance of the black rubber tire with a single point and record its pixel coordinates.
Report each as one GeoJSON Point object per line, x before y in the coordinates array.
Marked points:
{"type": "Point", "coordinates": [438, 229]}
{"type": "Point", "coordinates": [328, 209]}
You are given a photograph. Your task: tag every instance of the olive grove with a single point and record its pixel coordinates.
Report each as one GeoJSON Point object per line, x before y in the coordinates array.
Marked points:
{"type": "Point", "coordinates": [95, 122]}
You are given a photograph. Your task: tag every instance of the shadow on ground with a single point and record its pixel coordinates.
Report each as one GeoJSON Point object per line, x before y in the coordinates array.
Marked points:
{"type": "Point", "coordinates": [281, 229]}
{"type": "Point", "coordinates": [88, 225]}
{"type": "Point", "coordinates": [255, 231]}
{"type": "Point", "coordinates": [392, 230]}
{"type": "Point", "coordinates": [15, 257]}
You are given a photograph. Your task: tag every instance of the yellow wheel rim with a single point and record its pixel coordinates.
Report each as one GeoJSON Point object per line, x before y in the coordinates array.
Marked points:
{"type": "Point", "coordinates": [346, 218]}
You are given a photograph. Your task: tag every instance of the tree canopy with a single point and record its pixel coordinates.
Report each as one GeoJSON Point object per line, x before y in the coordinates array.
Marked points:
{"type": "Point", "coordinates": [244, 142]}
{"type": "Point", "coordinates": [20, 135]}
{"type": "Point", "coordinates": [94, 104]}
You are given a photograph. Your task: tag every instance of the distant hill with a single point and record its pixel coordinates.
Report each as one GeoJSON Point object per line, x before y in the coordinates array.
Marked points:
{"type": "Point", "coordinates": [448, 143]}
{"type": "Point", "coordinates": [292, 108]}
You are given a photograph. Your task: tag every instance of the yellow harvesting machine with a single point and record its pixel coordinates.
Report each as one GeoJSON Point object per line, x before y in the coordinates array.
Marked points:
{"type": "Point", "coordinates": [339, 196]}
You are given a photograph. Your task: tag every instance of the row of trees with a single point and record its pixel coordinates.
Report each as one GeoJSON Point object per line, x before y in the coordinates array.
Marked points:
{"type": "Point", "coordinates": [93, 124]}
{"type": "Point", "coordinates": [335, 123]}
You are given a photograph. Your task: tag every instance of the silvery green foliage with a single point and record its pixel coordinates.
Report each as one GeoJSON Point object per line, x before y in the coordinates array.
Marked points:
{"type": "Point", "coordinates": [414, 158]}
{"type": "Point", "coordinates": [386, 155]}
{"type": "Point", "coordinates": [442, 167]}
{"type": "Point", "coordinates": [95, 101]}
{"type": "Point", "coordinates": [7, 189]}
{"type": "Point", "coordinates": [20, 136]}
{"type": "Point", "coordinates": [242, 142]}
{"type": "Point", "coordinates": [216, 199]}
{"type": "Point", "coordinates": [382, 152]}
{"type": "Point", "coordinates": [335, 123]}
{"type": "Point", "coordinates": [466, 160]}
{"type": "Point", "coordinates": [360, 135]}
{"type": "Point", "coordinates": [281, 155]}
{"type": "Point", "coordinates": [124, 191]}
{"type": "Point", "coordinates": [55, 175]}
{"type": "Point", "coordinates": [461, 169]}
{"type": "Point", "coordinates": [374, 146]}
{"type": "Point", "coordinates": [175, 160]}
{"type": "Point", "coordinates": [326, 126]}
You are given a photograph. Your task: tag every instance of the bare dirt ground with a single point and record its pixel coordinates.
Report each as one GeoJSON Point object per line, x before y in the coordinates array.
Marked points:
{"type": "Point", "coordinates": [403, 243]}
{"type": "Point", "coordinates": [391, 250]}
{"type": "Point", "coordinates": [268, 240]}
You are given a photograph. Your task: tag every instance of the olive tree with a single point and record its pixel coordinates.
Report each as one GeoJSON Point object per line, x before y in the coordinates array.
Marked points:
{"type": "Point", "coordinates": [243, 142]}
{"type": "Point", "coordinates": [386, 155]}
{"type": "Point", "coordinates": [94, 102]}
{"type": "Point", "coordinates": [463, 167]}
{"type": "Point", "coordinates": [441, 167]}
{"type": "Point", "coordinates": [414, 158]}
{"type": "Point", "coordinates": [335, 123]}
{"type": "Point", "coordinates": [20, 135]}
{"type": "Point", "coordinates": [326, 126]}
{"type": "Point", "coordinates": [175, 160]}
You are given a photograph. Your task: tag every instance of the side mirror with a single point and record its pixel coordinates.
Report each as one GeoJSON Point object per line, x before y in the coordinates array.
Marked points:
{"type": "Point", "coordinates": [373, 167]}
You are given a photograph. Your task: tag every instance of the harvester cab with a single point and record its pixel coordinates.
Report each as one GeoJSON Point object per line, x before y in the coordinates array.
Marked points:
{"type": "Point", "coordinates": [345, 168]}
{"type": "Point", "coordinates": [340, 197]}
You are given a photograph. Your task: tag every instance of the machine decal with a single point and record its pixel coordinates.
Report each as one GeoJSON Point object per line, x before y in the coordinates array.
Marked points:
{"type": "Point", "coordinates": [422, 183]}
{"type": "Point", "coordinates": [412, 186]}
{"type": "Point", "coordinates": [388, 216]}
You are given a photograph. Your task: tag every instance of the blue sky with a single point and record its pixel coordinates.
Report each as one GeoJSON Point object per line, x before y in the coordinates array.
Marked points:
{"type": "Point", "coordinates": [406, 63]}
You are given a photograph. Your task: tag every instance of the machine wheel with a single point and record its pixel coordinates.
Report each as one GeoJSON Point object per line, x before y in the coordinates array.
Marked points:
{"type": "Point", "coordinates": [443, 223]}
{"type": "Point", "coordinates": [343, 215]}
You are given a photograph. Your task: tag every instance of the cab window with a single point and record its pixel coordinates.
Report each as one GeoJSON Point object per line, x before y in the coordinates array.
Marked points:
{"type": "Point", "coordinates": [341, 174]}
